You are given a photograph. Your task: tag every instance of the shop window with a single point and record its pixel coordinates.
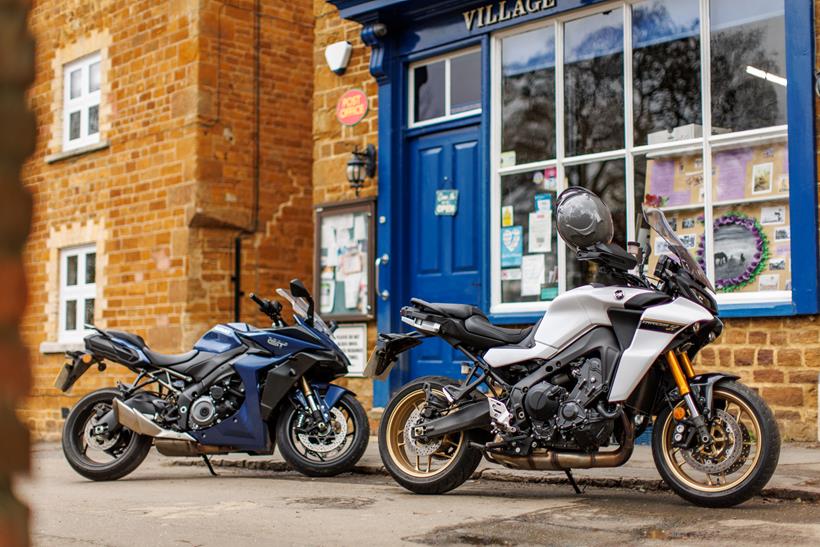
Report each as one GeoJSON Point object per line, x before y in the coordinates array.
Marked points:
{"type": "Point", "coordinates": [81, 102]}
{"type": "Point", "coordinates": [627, 121]}
{"type": "Point", "coordinates": [445, 88]}
{"type": "Point", "coordinates": [78, 291]}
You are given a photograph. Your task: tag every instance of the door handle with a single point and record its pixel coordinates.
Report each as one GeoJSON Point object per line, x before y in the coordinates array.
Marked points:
{"type": "Point", "coordinates": [383, 260]}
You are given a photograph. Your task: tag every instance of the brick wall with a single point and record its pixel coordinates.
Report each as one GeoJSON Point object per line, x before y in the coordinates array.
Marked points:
{"type": "Point", "coordinates": [16, 142]}
{"type": "Point", "coordinates": [333, 142]}
{"type": "Point", "coordinates": [779, 357]}
{"type": "Point", "coordinates": [165, 200]}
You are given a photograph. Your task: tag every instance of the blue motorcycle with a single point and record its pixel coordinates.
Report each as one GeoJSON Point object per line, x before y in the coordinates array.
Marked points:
{"type": "Point", "coordinates": [241, 389]}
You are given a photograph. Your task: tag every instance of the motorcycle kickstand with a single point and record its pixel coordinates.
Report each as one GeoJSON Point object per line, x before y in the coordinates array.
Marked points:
{"type": "Point", "coordinates": [572, 481]}
{"type": "Point", "coordinates": [208, 463]}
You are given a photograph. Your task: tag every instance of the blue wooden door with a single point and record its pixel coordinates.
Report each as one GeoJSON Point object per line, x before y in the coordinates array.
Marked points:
{"type": "Point", "coordinates": [444, 251]}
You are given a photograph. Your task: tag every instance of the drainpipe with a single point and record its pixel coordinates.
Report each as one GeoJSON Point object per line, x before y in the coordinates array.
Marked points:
{"type": "Point", "coordinates": [254, 226]}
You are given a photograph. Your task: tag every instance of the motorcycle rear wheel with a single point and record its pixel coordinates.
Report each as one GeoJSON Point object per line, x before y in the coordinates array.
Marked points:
{"type": "Point", "coordinates": [423, 468]}
{"type": "Point", "coordinates": [737, 465]}
{"type": "Point", "coordinates": [95, 457]}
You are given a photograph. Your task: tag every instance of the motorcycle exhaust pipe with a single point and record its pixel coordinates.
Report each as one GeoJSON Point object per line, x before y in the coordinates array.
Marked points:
{"type": "Point", "coordinates": [552, 460]}
{"type": "Point", "coordinates": [175, 448]}
{"type": "Point", "coordinates": [139, 423]}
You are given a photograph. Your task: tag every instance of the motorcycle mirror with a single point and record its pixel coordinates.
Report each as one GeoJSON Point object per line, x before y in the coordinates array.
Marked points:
{"type": "Point", "coordinates": [298, 289]}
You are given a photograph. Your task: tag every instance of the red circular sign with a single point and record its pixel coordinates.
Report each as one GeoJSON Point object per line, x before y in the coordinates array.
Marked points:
{"type": "Point", "coordinates": [352, 107]}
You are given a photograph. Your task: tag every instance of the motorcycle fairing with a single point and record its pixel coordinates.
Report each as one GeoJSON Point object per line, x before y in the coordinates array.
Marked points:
{"type": "Point", "coordinates": [658, 327]}
{"type": "Point", "coordinates": [570, 316]}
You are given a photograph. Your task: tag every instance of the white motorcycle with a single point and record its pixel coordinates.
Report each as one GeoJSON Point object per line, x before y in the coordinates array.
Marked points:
{"type": "Point", "coordinates": [606, 360]}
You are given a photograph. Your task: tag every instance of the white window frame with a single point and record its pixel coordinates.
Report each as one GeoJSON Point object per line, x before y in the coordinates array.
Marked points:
{"type": "Point", "coordinates": [628, 154]}
{"type": "Point", "coordinates": [83, 103]}
{"type": "Point", "coordinates": [80, 292]}
{"type": "Point", "coordinates": [411, 82]}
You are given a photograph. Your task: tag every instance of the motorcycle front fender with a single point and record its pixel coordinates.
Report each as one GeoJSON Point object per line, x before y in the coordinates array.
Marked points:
{"type": "Point", "coordinates": [704, 385]}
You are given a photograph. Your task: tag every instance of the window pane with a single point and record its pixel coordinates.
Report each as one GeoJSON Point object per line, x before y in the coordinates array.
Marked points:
{"type": "Point", "coordinates": [673, 182]}
{"type": "Point", "coordinates": [429, 91]}
{"type": "Point", "coordinates": [74, 126]}
{"type": "Point", "coordinates": [90, 268]}
{"type": "Point", "coordinates": [94, 119]}
{"type": "Point", "coordinates": [529, 244]}
{"type": "Point", "coordinates": [666, 71]}
{"type": "Point", "coordinates": [465, 83]}
{"type": "Point", "coordinates": [748, 64]}
{"type": "Point", "coordinates": [71, 315]}
{"type": "Point", "coordinates": [593, 83]}
{"type": "Point", "coordinates": [71, 271]}
{"type": "Point", "coordinates": [607, 180]}
{"type": "Point", "coordinates": [94, 77]}
{"type": "Point", "coordinates": [88, 316]}
{"type": "Point", "coordinates": [75, 83]}
{"type": "Point", "coordinates": [528, 97]}
{"type": "Point", "coordinates": [752, 248]}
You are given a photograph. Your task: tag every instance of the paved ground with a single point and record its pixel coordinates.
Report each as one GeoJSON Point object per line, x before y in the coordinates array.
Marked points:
{"type": "Point", "coordinates": [161, 504]}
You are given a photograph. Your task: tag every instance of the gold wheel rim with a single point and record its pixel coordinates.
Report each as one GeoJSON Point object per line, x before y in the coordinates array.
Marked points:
{"type": "Point", "coordinates": [718, 482]}
{"type": "Point", "coordinates": [403, 453]}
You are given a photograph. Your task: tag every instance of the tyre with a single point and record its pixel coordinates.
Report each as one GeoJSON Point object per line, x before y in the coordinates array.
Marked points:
{"type": "Point", "coordinates": [97, 457]}
{"type": "Point", "coordinates": [424, 468]}
{"type": "Point", "coordinates": [324, 454]}
{"type": "Point", "coordinates": [737, 465]}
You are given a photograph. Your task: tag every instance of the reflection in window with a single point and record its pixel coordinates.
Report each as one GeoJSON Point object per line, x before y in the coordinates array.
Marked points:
{"type": "Point", "coordinates": [666, 70]}
{"type": "Point", "coordinates": [465, 82]}
{"type": "Point", "coordinates": [593, 83]}
{"type": "Point", "coordinates": [429, 91]}
{"type": "Point", "coordinates": [529, 242]}
{"type": "Point", "coordinates": [673, 182]}
{"type": "Point", "coordinates": [606, 180]}
{"type": "Point", "coordinates": [748, 44]}
{"type": "Point", "coordinates": [528, 96]}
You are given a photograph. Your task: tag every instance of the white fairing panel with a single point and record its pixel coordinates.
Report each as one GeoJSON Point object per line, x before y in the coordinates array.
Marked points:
{"type": "Point", "coordinates": [647, 344]}
{"type": "Point", "coordinates": [570, 316]}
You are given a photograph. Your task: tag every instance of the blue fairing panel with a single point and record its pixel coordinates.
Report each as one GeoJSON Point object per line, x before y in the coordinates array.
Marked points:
{"type": "Point", "coordinates": [221, 338]}
{"type": "Point", "coordinates": [245, 430]}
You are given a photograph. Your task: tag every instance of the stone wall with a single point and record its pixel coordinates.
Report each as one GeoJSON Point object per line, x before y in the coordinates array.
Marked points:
{"type": "Point", "coordinates": [16, 142]}
{"type": "Point", "coordinates": [171, 186]}
{"type": "Point", "coordinates": [333, 142]}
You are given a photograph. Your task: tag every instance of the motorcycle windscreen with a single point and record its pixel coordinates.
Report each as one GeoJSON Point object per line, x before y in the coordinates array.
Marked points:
{"type": "Point", "coordinates": [657, 221]}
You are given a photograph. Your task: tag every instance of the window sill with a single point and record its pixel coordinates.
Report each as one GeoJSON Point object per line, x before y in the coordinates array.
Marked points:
{"type": "Point", "coordinates": [74, 152]}
{"type": "Point", "coordinates": [49, 348]}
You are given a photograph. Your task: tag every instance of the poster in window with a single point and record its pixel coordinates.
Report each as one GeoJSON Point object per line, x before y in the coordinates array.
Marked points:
{"type": "Point", "coordinates": [344, 260]}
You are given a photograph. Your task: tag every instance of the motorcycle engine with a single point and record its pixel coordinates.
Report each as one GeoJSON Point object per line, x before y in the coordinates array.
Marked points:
{"type": "Point", "coordinates": [564, 415]}
{"type": "Point", "coordinates": [222, 400]}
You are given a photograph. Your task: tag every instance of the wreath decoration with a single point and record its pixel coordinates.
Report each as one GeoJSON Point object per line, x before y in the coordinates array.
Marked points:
{"type": "Point", "coordinates": [758, 262]}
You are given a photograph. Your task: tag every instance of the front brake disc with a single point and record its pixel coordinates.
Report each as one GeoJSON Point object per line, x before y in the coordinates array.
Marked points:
{"type": "Point", "coordinates": [331, 439]}
{"type": "Point", "coordinates": [725, 452]}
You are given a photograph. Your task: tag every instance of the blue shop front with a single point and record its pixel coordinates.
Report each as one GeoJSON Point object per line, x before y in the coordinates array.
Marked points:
{"type": "Point", "coordinates": [488, 110]}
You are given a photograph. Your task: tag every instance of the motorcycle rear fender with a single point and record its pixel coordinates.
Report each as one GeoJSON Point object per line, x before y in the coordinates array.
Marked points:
{"type": "Point", "coordinates": [388, 348]}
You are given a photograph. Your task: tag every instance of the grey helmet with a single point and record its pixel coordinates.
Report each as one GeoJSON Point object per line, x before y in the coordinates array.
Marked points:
{"type": "Point", "coordinates": [583, 219]}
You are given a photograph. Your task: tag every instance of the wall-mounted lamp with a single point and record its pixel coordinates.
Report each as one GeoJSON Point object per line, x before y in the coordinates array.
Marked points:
{"type": "Point", "coordinates": [337, 56]}
{"type": "Point", "coordinates": [361, 166]}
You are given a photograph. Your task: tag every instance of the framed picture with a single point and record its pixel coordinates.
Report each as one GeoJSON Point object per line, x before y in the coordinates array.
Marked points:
{"type": "Point", "coordinates": [344, 267]}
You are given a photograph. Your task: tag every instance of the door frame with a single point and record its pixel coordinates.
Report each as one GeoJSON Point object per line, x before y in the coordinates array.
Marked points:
{"type": "Point", "coordinates": [394, 180]}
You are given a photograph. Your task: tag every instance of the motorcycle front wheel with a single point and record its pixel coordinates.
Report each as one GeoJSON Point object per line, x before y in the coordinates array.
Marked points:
{"type": "Point", "coordinates": [325, 453]}
{"type": "Point", "coordinates": [432, 467]}
{"type": "Point", "coordinates": [99, 457]}
{"type": "Point", "coordinates": [739, 462]}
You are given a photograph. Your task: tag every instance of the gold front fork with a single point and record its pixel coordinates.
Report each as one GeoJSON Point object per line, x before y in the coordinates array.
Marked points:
{"type": "Point", "coordinates": [681, 380]}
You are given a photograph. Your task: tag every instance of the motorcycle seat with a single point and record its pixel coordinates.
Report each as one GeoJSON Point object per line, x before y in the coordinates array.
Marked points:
{"type": "Point", "coordinates": [156, 358]}
{"type": "Point", "coordinates": [456, 311]}
{"type": "Point", "coordinates": [481, 326]}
